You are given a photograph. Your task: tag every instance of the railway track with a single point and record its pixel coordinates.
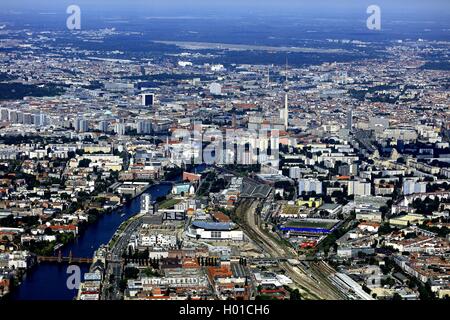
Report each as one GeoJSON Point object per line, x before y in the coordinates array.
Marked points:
{"type": "Point", "coordinates": [325, 273]}
{"type": "Point", "coordinates": [316, 289]}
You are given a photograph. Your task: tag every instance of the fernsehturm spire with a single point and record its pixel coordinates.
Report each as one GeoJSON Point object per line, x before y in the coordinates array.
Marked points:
{"type": "Point", "coordinates": [286, 102]}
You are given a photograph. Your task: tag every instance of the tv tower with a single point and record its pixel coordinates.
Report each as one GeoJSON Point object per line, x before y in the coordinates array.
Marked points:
{"type": "Point", "coordinates": [286, 102]}
{"type": "Point", "coordinates": [268, 75]}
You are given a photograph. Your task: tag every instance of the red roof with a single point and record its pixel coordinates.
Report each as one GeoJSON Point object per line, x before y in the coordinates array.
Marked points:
{"type": "Point", "coordinates": [70, 227]}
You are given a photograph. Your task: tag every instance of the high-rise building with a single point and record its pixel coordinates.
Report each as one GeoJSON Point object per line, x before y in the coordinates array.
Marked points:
{"type": "Point", "coordinates": [411, 186]}
{"type": "Point", "coordinates": [40, 120]}
{"type": "Point", "coordinates": [146, 204]}
{"type": "Point", "coordinates": [119, 129]}
{"type": "Point", "coordinates": [14, 119]}
{"type": "Point", "coordinates": [309, 185]}
{"type": "Point", "coordinates": [4, 114]}
{"type": "Point", "coordinates": [27, 118]}
{"type": "Point", "coordinates": [348, 169]}
{"type": "Point", "coordinates": [350, 119]}
{"type": "Point", "coordinates": [144, 127]}
{"type": "Point", "coordinates": [359, 188]}
{"type": "Point", "coordinates": [19, 117]}
{"type": "Point", "coordinates": [148, 99]}
{"type": "Point", "coordinates": [103, 126]}
{"type": "Point", "coordinates": [295, 172]}
{"type": "Point", "coordinates": [81, 125]}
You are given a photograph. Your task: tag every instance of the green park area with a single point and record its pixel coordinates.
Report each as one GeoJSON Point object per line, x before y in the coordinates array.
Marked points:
{"type": "Point", "coordinates": [169, 203]}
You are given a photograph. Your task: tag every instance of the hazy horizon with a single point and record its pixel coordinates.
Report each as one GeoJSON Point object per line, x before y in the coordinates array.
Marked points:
{"type": "Point", "coordinates": [415, 9]}
{"type": "Point", "coordinates": [272, 22]}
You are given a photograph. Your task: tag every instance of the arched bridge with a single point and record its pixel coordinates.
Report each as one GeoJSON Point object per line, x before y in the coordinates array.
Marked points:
{"type": "Point", "coordinates": [60, 259]}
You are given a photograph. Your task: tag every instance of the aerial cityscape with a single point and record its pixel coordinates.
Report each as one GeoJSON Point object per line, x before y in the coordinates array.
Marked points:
{"type": "Point", "coordinates": [224, 151]}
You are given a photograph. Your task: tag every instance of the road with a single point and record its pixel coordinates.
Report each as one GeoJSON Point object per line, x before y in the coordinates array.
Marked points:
{"type": "Point", "coordinates": [313, 281]}
{"type": "Point", "coordinates": [111, 289]}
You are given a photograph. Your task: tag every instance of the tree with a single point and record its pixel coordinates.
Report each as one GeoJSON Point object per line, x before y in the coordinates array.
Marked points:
{"type": "Point", "coordinates": [388, 281]}
{"type": "Point", "coordinates": [295, 295]}
{"type": "Point", "coordinates": [384, 210]}
{"type": "Point", "coordinates": [123, 284]}
{"type": "Point", "coordinates": [131, 273]}
{"type": "Point", "coordinates": [65, 196]}
{"type": "Point", "coordinates": [48, 231]}
{"type": "Point", "coordinates": [84, 163]}
{"type": "Point", "coordinates": [396, 297]}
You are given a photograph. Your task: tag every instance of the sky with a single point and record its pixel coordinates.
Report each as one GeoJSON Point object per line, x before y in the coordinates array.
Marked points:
{"type": "Point", "coordinates": [426, 8]}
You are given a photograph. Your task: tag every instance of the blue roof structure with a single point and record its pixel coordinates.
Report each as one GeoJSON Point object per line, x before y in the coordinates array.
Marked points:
{"type": "Point", "coordinates": [311, 230]}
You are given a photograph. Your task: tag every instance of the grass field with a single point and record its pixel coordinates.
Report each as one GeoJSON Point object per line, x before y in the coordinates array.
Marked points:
{"type": "Point", "coordinates": [169, 203]}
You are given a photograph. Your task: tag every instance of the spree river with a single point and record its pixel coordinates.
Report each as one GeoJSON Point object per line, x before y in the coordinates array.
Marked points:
{"type": "Point", "coordinates": [47, 281]}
